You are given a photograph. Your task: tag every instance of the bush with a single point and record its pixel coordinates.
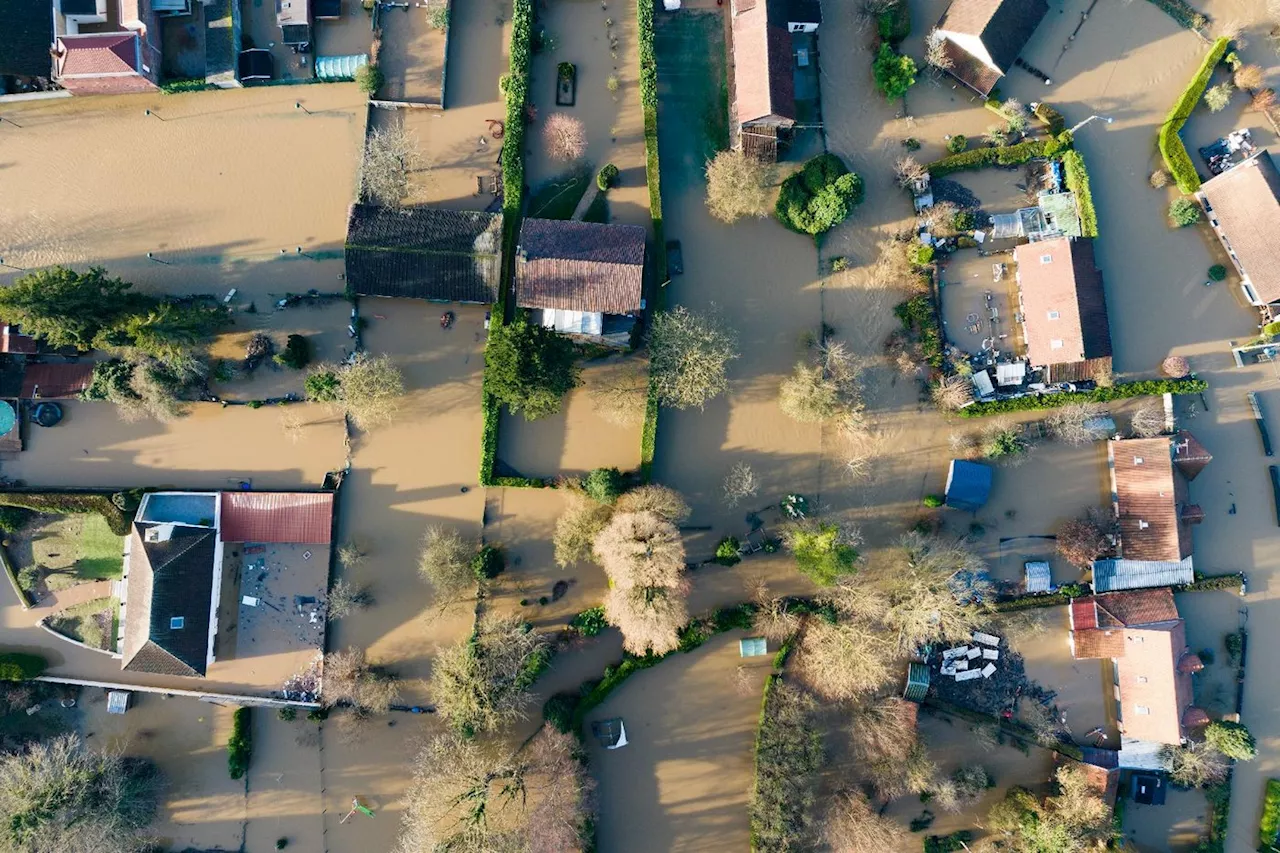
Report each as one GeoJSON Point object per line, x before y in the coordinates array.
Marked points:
{"type": "Point", "coordinates": [13, 518]}
{"type": "Point", "coordinates": [604, 485]}
{"type": "Point", "coordinates": [1183, 212]}
{"type": "Point", "coordinates": [894, 74]}
{"type": "Point", "coordinates": [558, 711]}
{"type": "Point", "coordinates": [16, 666]}
{"type": "Point", "coordinates": [1269, 825]}
{"type": "Point", "coordinates": [1233, 740]}
{"type": "Point", "coordinates": [964, 220]}
{"type": "Point", "coordinates": [957, 143]}
{"type": "Point", "coordinates": [369, 78]}
{"type": "Point", "coordinates": [894, 23]}
{"type": "Point", "coordinates": [921, 255]}
{"type": "Point", "coordinates": [1217, 272]}
{"type": "Point", "coordinates": [322, 386]}
{"type": "Point", "coordinates": [822, 551]}
{"type": "Point", "coordinates": [530, 368]}
{"type": "Point", "coordinates": [1050, 118]}
{"type": "Point", "coordinates": [287, 715]}
{"type": "Point", "coordinates": [727, 551]}
{"type": "Point", "coordinates": [297, 353]}
{"type": "Point", "coordinates": [918, 316]}
{"type": "Point", "coordinates": [488, 563]}
{"type": "Point", "coordinates": [981, 158]}
{"type": "Point", "coordinates": [607, 177]}
{"type": "Point", "coordinates": [185, 84]}
{"type": "Point", "coordinates": [933, 501]}
{"type": "Point", "coordinates": [1172, 149]}
{"type": "Point", "coordinates": [1119, 391]}
{"type": "Point", "coordinates": [589, 622]}
{"type": "Point", "coordinates": [818, 197]}
{"type": "Point", "coordinates": [1077, 177]}
{"type": "Point", "coordinates": [241, 743]}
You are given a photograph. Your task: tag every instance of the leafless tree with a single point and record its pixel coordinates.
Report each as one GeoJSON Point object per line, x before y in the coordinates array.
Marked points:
{"type": "Point", "coordinates": [1082, 540]}
{"type": "Point", "coordinates": [1103, 376]}
{"type": "Point", "coordinates": [997, 136]}
{"type": "Point", "coordinates": [445, 563]}
{"type": "Point", "coordinates": [649, 618]}
{"type": "Point", "coordinates": [909, 172]}
{"type": "Point", "coordinates": [1195, 765]}
{"type": "Point", "coordinates": [952, 393]}
{"type": "Point", "coordinates": [845, 660]}
{"type": "Point", "coordinates": [774, 618]}
{"type": "Point", "coordinates": [350, 554]}
{"type": "Point", "coordinates": [663, 502]}
{"type": "Point", "coordinates": [1071, 424]}
{"type": "Point", "coordinates": [641, 549]}
{"type": "Point", "coordinates": [1248, 77]}
{"type": "Point", "coordinates": [739, 484]}
{"type": "Point", "coordinates": [689, 354]}
{"type": "Point", "coordinates": [577, 528]}
{"type": "Point", "coordinates": [853, 826]}
{"type": "Point", "coordinates": [940, 219]}
{"type": "Point", "coordinates": [1175, 366]}
{"type": "Point", "coordinates": [886, 747]}
{"type": "Point", "coordinates": [390, 155]}
{"type": "Point", "coordinates": [1015, 114]}
{"type": "Point", "coordinates": [738, 186]}
{"type": "Point", "coordinates": [470, 797]}
{"type": "Point", "coordinates": [345, 599]}
{"type": "Point", "coordinates": [1159, 179]}
{"type": "Point", "coordinates": [370, 389]}
{"type": "Point", "coordinates": [828, 390]}
{"type": "Point", "coordinates": [619, 394]}
{"type": "Point", "coordinates": [1217, 97]}
{"type": "Point", "coordinates": [481, 683]}
{"type": "Point", "coordinates": [935, 51]}
{"type": "Point", "coordinates": [1148, 420]}
{"type": "Point", "coordinates": [350, 679]}
{"type": "Point", "coordinates": [564, 137]}
{"type": "Point", "coordinates": [1263, 100]}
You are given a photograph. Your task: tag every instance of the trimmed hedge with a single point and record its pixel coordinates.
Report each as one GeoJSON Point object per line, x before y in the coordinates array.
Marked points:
{"type": "Point", "coordinates": [981, 158]}
{"type": "Point", "coordinates": [240, 745]}
{"type": "Point", "coordinates": [1183, 13]}
{"type": "Point", "coordinates": [66, 503]}
{"type": "Point", "coordinates": [1013, 728]}
{"type": "Point", "coordinates": [1078, 182]}
{"type": "Point", "coordinates": [1119, 391]}
{"type": "Point", "coordinates": [16, 666]}
{"type": "Point", "coordinates": [1208, 583]}
{"type": "Point", "coordinates": [185, 84]}
{"type": "Point", "coordinates": [1219, 797]}
{"type": "Point", "coordinates": [1050, 118]}
{"type": "Point", "coordinates": [649, 103]}
{"type": "Point", "coordinates": [1172, 149]}
{"type": "Point", "coordinates": [1269, 825]}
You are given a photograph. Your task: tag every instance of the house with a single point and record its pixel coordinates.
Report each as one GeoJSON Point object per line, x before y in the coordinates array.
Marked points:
{"type": "Point", "coordinates": [110, 47]}
{"type": "Point", "coordinates": [803, 16]}
{"type": "Point", "coordinates": [25, 38]}
{"type": "Point", "coordinates": [1146, 641]}
{"type": "Point", "coordinates": [1149, 494]}
{"type": "Point", "coordinates": [424, 253]}
{"type": "Point", "coordinates": [982, 38]}
{"type": "Point", "coordinates": [968, 485]}
{"type": "Point", "coordinates": [1063, 309]}
{"type": "Point", "coordinates": [581, 278]}
{"type": "Point", "coordinates": [764, 96]}
{"type": "Point", "coordinates": [174, 567]}
{"type": "Point", "coordinates": [1243, 205]}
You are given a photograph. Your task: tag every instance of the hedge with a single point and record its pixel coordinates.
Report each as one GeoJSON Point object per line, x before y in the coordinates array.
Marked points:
{"type": "Point", "coordinates": [1209, 583]}
{"type": "Point", "coordinates": [240, 744]}
{"type": "Point", "coordinates": [1050, 118]}
{"type": "Point", "coordinates": [649, 103]}
{"type": "Point", "coordinates": [16, 666]}
{"type": "Point", "coordinates": [1013, 728]}
{"type": "Point", "coordinates": [185, 84]}
{"type": "Point", "coordinates": [1078, 182]}
{"type": "Point", "coordinates": [981, 158]}
{"type": "Point", "coordinates": [1172, 149]}
{"type": "Point", "coordinates": [894, 24]}
{"type": "Point", "coordinates": [1183, 13]}
{"type": "Point", "coordinates": [1219, 797]}
{"type": "Point", "coordinates": [1269, 825]}
{"type": "Point", "coordinates": [1120, 391]}
{"type": "Point", "coordinates": [919, 316]}
{"type": "Point", "coordinates": [67, 503]}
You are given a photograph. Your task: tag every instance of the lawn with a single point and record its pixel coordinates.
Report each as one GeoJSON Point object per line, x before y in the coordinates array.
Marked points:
{"type": "Point", "coordinates": [558, 197]}
{"type": "Point", "coordinates": [71, 549]}
{"type": "Point", "coordinates": [95, 623]}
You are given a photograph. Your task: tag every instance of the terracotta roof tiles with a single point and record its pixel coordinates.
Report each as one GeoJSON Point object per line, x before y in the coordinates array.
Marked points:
{"type": "Point", "coordinates": [300, 518]}
{"type": "Point", "coordinates": [1149, 494]}
{"type": "Point", "coordinates": [763, 66]}
{"type": "Point", "coordinates": [1064, 305]}
{"type": "Point", "coordinates": [1246, 203]}
{"type": "Point", "coordinates": [580, 266]}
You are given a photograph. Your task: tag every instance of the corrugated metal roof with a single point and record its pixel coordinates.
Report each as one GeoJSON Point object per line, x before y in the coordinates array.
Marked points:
{"type": "Point", "coordinates": [299, 518]}
{"type": "Point", "coordinates": [1038, 577]}
{"type": "Point", "coordinates": [1109, 575]}
{"type": "Point", "coordinates": [56, 381]}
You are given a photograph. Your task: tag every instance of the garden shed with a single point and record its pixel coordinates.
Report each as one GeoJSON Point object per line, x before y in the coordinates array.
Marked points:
{"type": "Point", "coordinates": [917, 682]}
{"type": "Point", "coordinates": [968, 485]}
{"type": "Point", "coordinates": [1037, 577]}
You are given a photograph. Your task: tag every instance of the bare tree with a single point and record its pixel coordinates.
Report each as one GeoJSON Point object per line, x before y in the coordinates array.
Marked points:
{"type": "Point", "coordinates": [469, 797]}
{"type": "Point", "coordinates": [1015, 114]}
{"type": "Point", "coordinates": [689, 354]}
{"type": "Point", "coordinates": [663, 502]}
{"type": "Point", "coordinates": [345, 599]}
{"type": "Point", "coordinates": [853, 826]}
{"type": "Point", "coordinates": [940, 219]}
{"type": "Point", "coordinates": [844, 660]}
{"type": "Point", "coordinates": [370, 389]}
{"type": "Point", "coordinates": [952, 393]}
{"type": "Point", "coordinates": [1216, 98]}
{"type": "Point", "coordinates": [390, 155]}
{"type": "Point", "coordinates": [1195, 765]}
{"type": "Point", "coordinates": [481, 683]}
{"type": "Point", "coordinates": [738, 186]}
{"type": "Point", "coordinates": [1082, 540]}
{"type": "Point", "coordinates": [909, 172]}
{"type": "Point", "coordinates": [349, 678]}
{"type": "Point", "coordinates": [1076, 423]}
{"type": "Point", "coordinates": [577, 528]}
{"type": "Point", "coordinates": [1175, 366]}
{"type": "Point", "coordinates": [1148, 421]}
{"type": "Point", "coordinates": [827, 390]}
{"type": "Point", "coordinates": [1248, 77]}
{"type": "Point", "coordinates": [886, 747]}
{"type": "Point", "coordinates": [350, 554]}
{"type": "Point", "coordinates": [1159, 179]}
{"type": "Point", "coordinates": [739, 484]}
{"type": "Point", "coordinates": [965, 785]}
{"type": "Point", "coordinates": [564, 137]}
{"type": "Point", "coordinates": [445, 563]}
{"type": "Point", "coordinates": [641, 549]}
{"type": "Point", "coordinates": [649, 618]}
{"type": "Point", "coordinates": [619, 394]}
{"type": "Point", "coordinates": [1263, 100]}
{"type": "Point", "coordinates": [935, 51]}
{"type": "Point", "coordinates": [774, 618]}
{"type": "Point", "coordinates": [997, 136]}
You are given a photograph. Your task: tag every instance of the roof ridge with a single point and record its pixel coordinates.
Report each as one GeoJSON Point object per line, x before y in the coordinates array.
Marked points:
{"type": "Point", "coordinates": [192, 543]}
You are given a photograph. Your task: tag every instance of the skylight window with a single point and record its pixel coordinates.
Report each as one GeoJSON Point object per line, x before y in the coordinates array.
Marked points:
{"type": "Point", "coordinates": [1046, 259]}
{"type": "Point", "coordinates": [1054, 315]}
{"type": "Point", "coordinates": [177, 622]}
{"type": "Point", "coordinates": [1055, 344]}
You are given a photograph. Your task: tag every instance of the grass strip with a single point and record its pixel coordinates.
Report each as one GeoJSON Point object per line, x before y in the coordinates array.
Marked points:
{"type": "Point", "coordinates": [1172, 149]}
{"type": "Point", "coordinates": [66, 503]}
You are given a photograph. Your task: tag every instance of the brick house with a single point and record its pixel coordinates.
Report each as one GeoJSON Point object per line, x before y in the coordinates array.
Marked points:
{"type": "Point", "coordinates": [109, 47]}
{"type": "Point", "coordinates": [1063, 308]}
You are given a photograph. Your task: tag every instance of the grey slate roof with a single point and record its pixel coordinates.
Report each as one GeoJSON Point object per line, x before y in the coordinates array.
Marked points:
{"type": "Point", "coordinates": [26, 34]}
{"type": "Point", "coordinates": [1110, 575]}
{"type": "Point", "coordinates": [168, 579]}
{"type": "Point", "coordinates": [580, 266]}
{"type": "Point", "coordinates": [424, 253]}
{"type": "Point", "coordinates": [1004, 26]}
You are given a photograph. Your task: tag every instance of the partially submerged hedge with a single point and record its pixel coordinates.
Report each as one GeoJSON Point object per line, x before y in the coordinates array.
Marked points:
{"type": "Point", "coordinates": [1208, 583]}
{"type": "Point", "coordinates": [981, 158]}
{"type": "Point", "coordinates": [1172, 149]}
{"type": "Point", "coordinates": [1183, 13]}
{"type": "Point", "coordinates": [919, 316]}
{"type": "Point", "coordinates": [117, 515]}
{"type": "Point", "coordinates": [1050, 118]}
{"type": "Point", "coordinates": [1269, 825]}
{"type": "Point", "coordinates": [1013, 728]}
{"type": "Point", "coordinates": [1119, 391]}
{"type": "Point", "coordinates": [658, 302]}
{"type": "Point", "coordinates": [240, 744]}
{"type": "Point", "coordinates": [1078, 182]}
{"type": "Point", "coordinates": [16, 666]}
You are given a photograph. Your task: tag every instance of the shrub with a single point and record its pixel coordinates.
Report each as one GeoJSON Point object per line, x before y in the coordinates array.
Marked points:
{"type": "Point", "coordinates": [1183, 212]}
{"type": "Point", "coordinates": [296, 354]}
{"type": "Point", "coordinates": [1119, 391]}
{"type": "Point", "coordinates": [241, 743]}
{"type": "Point", "coordinates": [13, 518]}
{"type": "Point", "coordinates": [603, 485]}
{"type": "Point", "coordinates": [607, 177]}
{"type": "Point", "coordinates": [823, 551]}
{"type": "Point", "coordinates": [1271, 329]}
{"type": "Point", "coordinates": [957, 143]}
{"type": "Point", "coordinates": [1172, 149]}
{"type": "Point", "coordinates": [918, 316]}
{"type": "Point", "coordinates": [1051, 118]}
{"type": "Point", "coordinates": [1233, 740]}
{"type": "Point", "coordinates": [933, 501]}
{"type": "Point", "coordinates": [322, 386]}
{"type": "Point", "coordinates": [1217, 272]}
{"type": "Point", "coordinates": [964, 220]}
{"type": "Point", "coordinates": [894, 23]}
{"type": "Point", "coordinates": [818, 197]}
{"type": "Point", "coordinates": [488, 563]}
{"type": "Point", "coordinates": [558, 711]}
{"type": "Point", "coordinates": [921, 255]}
{"type": "Point", "coordinates": [530, 368]}
{"type": "Point", "coordinates": [369, 78]}
{"type": "Point", "coordinates": [894, 74]}
{"type": "Point", "coordinates": [287, 715]}
{"type": "Point", "coordinates": [589, 622]}
{"type": "Point", "coordinates": [981, 158]}
{"type": "Point", "coordinates": [1217, 97]}
{"type": "Point", "coordinates": [1269, 825]}
{"type": "Point", "coordinates": [727, 551]}
{"type": "Point", "coordinates": [1077, 177]}
{"type": "Point", "coordinates": [16, 666]}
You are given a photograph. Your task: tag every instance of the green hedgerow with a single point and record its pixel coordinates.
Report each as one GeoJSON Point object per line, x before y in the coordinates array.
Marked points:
{"type": "Point", "coordinates": [16, 666]}
{"type": "Point", "coordinates": [241, 743]}
{"type": "Point", "coordinates": [322, 386]}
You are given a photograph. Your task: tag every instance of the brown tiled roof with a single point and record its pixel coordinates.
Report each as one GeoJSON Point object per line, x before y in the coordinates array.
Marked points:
{"type": "Point", "coordinates": [1004, 26]}
{"type": "Point", "coordinates": [56, 381]}
{"type": "Point", "coordinates": [1153, 694]}
{"type": "Point", "coordinates": [1098, 643]}
{"type": "Point", "coordinates": [299, 518]}
{"type": "Point", "coordinates": [1189, 454]}
{"type": "Point", "coordinates": [970, 70]}
{"type": "Point", "coordinates": [166, 580]}
{"type": "Point", "coordinates": [105, 53]}
{"type": "Point", "coordinates": [1246, 203]}
{"type": "Point", "coordinates": [763, 66]}
{"type": "Point", "coordinates": [1070, 285]}
{"type": "Point", "coordinates": [1099, 621]}
{"type": "Point", "coordinates": [13, 341]}
{"type": "Point", "coordinates": [580, 266]}
{"type": "Point", "coordinates": [1150, 495]}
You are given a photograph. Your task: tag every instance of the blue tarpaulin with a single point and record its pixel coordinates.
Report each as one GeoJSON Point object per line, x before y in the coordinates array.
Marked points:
{"type": "Point", "coordinates": [968, 485]}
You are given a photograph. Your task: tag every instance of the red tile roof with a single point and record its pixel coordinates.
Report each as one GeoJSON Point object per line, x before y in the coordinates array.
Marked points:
{"type": "Point", "coordinates": [105, 53]}
{"type": "Point", "coordinates": [56, 381]}
{"type": "Point", "coordinates": [1246, 204]}
{"type": "Point", "coordinates": [1189, 454]}
{"type": "Point", "coordinates": [580, 266]}
{"type": "Point", "coordinates": [13, 341]}
{"type": "Point", "coordinates": [1064, 306]}
{"type": "Point", "coordinates": [299, 518]}
{"type": "Point", "coordinates": [763, 67]}
{"type": "Point", "coordinates": [1154, 695]}
{"type": "Point", "coordinates": [1149, 494]}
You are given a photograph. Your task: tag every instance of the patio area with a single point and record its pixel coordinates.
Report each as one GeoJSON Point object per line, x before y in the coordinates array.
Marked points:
{"type": "Point", "coordinates": [979, 298]}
